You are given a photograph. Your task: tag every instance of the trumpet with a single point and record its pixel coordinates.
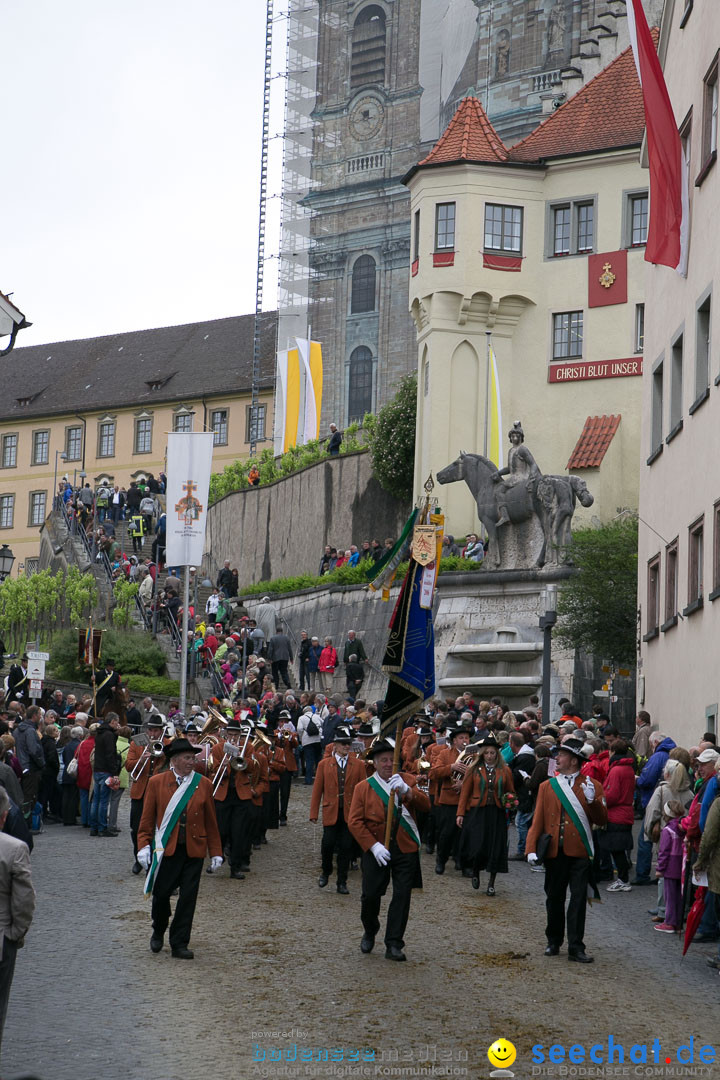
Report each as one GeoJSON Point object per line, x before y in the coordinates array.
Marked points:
{"type": "Point", "coordinates": [151, 750]}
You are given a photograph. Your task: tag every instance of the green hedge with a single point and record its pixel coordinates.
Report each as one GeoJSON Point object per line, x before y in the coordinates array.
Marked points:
{"type": "Point", "coordinates": [134, 653]}
{"type": "Point", "coordinates": [346, 575]}
{"type": "Point", "coordinates": [157, 685]}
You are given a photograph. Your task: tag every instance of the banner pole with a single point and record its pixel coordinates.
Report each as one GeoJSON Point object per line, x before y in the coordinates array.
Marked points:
{"type": "Point", "coordinates": [184, 640]}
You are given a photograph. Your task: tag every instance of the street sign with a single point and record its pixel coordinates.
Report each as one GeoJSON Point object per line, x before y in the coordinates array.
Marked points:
{"type": "Point", "coordinates": [38, 656]}
{"type": "Point", "coordinates": [614, 699]}
{"type": "Point", "coordinates": [36, 670]}
{"type": "Point", "coordinates": [35, 687]}
{"type": "Point", "coordinates": [601, 693]}
{"type": "Point", "coordinates": [624, 672]}
{"type": "Point", "coordinates": [605, 667]}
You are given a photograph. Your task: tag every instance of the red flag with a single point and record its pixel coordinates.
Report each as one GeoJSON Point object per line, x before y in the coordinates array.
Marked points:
{"type": "Point", "coordinates": [666, 241]}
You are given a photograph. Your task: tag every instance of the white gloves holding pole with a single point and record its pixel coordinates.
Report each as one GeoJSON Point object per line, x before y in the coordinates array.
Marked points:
{"type": "Point", "coordinates": [381, 853]}
{"type": "Point", "coordinates": [398, 785]}
{"type": "Point", "coordinates": [144, 857]}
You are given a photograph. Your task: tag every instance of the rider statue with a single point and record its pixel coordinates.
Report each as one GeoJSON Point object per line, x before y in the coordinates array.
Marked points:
{"type": "Point", "coordinates": [521, 469]}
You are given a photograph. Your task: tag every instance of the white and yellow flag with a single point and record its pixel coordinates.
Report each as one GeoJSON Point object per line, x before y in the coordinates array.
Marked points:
{"type": "Point", "coordinates": [298, 395]}
{"type": "Point", "coordinates": [495, 435]}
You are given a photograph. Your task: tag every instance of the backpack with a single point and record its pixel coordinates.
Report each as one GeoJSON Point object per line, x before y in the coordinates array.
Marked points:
{"type": "Point", "coordinates": [36, 819]}
{"type": "Point", "coordinates": [312, 729]}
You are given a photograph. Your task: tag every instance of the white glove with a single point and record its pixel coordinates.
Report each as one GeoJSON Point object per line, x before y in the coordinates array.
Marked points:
{"type": "Point", "coordinates": [215, 863]}
{"type": "Point", "coordinates": [144, 857]}
{"type": "Point", "coordinates": [398, 785]}
{"type": "Point", "coordinates": [381, 853]}
{"type": "Point", "coordinates": [532, 858]}
{"type": "Point", "coordinates": [589, 789]}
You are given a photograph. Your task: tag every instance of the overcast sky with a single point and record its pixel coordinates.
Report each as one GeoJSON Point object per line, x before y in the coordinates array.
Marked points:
{"type": "Point", "coordinates": [130, 162]}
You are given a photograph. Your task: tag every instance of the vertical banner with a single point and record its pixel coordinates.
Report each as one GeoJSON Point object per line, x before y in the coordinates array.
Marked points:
{"type": "Point", "coordinates": [280, 401]}
{"type": "Point", "coordinates": [292, 399]}
{"type": "Point", "coordinates": [311, 375]}
{"type": "Point", "coordinates": [496, 439]}
{"type": "Point", "coordinates": [189, 462]}
{"type": "Point", "coordinates": [316, 373]}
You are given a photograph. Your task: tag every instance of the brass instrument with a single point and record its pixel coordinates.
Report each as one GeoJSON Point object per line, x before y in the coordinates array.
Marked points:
{"type": "Point", "coordinates": [150, 751]}
{"type": "Point", "coordinates": [235, 762]}
{"type": "Point", "coordinates": [466, 757]}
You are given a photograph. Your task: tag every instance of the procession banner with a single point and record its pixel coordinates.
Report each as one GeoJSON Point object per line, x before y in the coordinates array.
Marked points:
{"type": "Point", "coordinates": [189, 458]}
{"type": "Point", "coordinates": [280, 401]}
{"type": "Point", "coordinates": [409, 660]}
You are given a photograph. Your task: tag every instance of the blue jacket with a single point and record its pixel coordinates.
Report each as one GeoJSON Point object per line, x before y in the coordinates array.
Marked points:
{"type": "Point", "coordinates": [313, 658]}
{"type": "Point", "coordinates": [652, 773]}
{"type": "Point", "coordinates": [711, 791]}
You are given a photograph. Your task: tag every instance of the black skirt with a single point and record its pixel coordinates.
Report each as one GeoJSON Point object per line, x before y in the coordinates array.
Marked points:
{"type": "Point", "coordinates": [615, 838]}
{"type": "Point", "coordinates": [483, 840]}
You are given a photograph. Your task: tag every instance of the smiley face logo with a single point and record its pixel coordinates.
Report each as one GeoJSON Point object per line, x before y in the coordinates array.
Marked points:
{"type": "Point", "coordinates": [502, 1054]}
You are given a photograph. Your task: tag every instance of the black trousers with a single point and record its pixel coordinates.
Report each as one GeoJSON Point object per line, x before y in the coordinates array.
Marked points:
{"type": "Point", "coordinates": [271, 805]}
{"type": "Point", "coordinates": [560, 873]}
{"type": "Point", "coordinates": [375, 880]}
{"type": "Point", "coordinates": [285, 788]}
{"type": "Point", "coordinates": [7, 970]}
{"type": "Point", "coordinates": [235, 826]}
{"type": "Point", "coordinates": [337, 838]}
{"type": "Point", "coordinates": [69, 803]}
{"type": "Point", "coordinates": [177, 871]}
{"type": "Point", "coordinates": [448, 833]}
{"type": "Point", "coordinates": [30, 784]}
{"type": "Point", "coordinates": [256, 823]}
{"type": "Point", "coordinates": [136, 809]}
{"type": "Point", "coordinates": [280, 668]}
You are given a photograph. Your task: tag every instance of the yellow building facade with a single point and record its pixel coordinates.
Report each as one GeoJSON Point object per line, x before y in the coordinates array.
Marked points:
{"type": "Point", "coordinates": [99, 409]}
{"type": "Point", "coordinates": [536, 250]}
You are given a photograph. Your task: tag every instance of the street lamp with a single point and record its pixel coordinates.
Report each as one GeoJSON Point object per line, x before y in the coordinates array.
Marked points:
{"type": "Point", "coordinates": [547, 621]}
{"type": "Point", "coordinates": [6, 561]}
{"type": "Point", "coordinates": [63, 457]}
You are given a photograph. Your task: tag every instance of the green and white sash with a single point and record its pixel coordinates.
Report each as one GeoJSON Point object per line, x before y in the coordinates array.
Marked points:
{"type": "Point", "coordinates": [163, 831]}
{"type": "Point", "coordinates": [574, 810]}
{"type": "Point", "coordinates": [406, 820]}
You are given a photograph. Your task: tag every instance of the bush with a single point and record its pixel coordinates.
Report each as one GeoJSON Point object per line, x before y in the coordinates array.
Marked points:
{"type": "Point", "coordinates": [157, 685]}
{"type": "Point", "coordinates": [346, 575]}
{"type": "Point", "coordinates": [392, 441]}
{"type": "Point", "coordinates": [133, 653]}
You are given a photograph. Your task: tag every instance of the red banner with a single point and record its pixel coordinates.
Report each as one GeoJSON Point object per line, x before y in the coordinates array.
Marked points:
{"type": "Point", "coordinates": [607, 279]}
{"type": "Point", "coordinates": [443, 258]}
{"type": "Point", "coordinates": [600, 369]}
{"type": "Point", "coordinates": [503, 262]}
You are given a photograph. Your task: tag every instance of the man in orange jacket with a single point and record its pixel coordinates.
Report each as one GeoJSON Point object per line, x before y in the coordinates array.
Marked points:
{"type": "Point", "coordinates": [335, 780]}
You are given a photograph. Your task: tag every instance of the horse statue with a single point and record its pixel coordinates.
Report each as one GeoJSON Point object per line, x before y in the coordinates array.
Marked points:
{"type": "Point", "coordinates": [548, 499]}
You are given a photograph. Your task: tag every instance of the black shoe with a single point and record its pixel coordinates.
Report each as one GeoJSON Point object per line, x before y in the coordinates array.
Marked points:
{"type": "Point", "coordinates": [429, 848]}
{"type": "Point", "coordinates": [393, 952]}
{"type": "Point", "coordinates": [439, 867]}
{"type": "Point", "coordinates": [342, 888]}
{"type": "Point", "coordinates": [237, 875]}
{"type": "Point", "coordinates": [183, 953]}
{"type": "Point", "coordinates": [110, 832]}
{"type": "Point", "coordinates": [353, 865]}
{"type": "Point", "coordinates": [703, 939]}
{"type": "Point", "coordinates": [367, 943]}
{"type": "Point", "coordinates": [322, 881]}
{"type": "Point", "coordinates": [642, 881]}
{"type": "Point", "coordinates": [93, 832]}
{"type": "Point", "coordinates": [490, 891]}
{"type": "Point", "coordinates": [136, 867]}
{"type": "Point", "coordinates": [552, 950]}
{"type": "Point", "coordinates": [581, 957]}
{"type": "Point", "coordinates": [256, 847]}
{"type": "Point", "coordinates": [458, 864]}
{"type": "Point", "coordinates": [283, 821]}
{"type": "Point", "coordinates": [245, 867]}
{"type": "Point", "coordinates": [264, 840]}
{"type": "Point", "coordinates": [475, 882]}
{"type": "Point", "coordinates": [156, 943]}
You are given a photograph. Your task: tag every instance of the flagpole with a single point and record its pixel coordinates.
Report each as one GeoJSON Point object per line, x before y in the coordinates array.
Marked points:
{"type": "Point", "coordinates": [92, 667]}
{"type": "Point", "coordinates": [183, 642]}
{"type": "Point", "coordinates": [488, 335]}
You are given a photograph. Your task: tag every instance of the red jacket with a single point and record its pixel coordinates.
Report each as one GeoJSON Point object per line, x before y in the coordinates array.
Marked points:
{"type": "Point", "coordinates": [84, 773]}
{"type": "Point", "coordinates": [597, 766]}
{"type": "Point", "coordinates": [328, 659]}
{"type": "Point", "coordinates": [619, 786]}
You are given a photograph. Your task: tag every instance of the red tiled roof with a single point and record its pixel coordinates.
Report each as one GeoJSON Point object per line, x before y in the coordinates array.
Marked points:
{"type": "Point", "coordinates": [468, 137]}
{"type": "Point", "coordinates": [593, 444]}
{"type": "Point", "coordinates": [606, 113]}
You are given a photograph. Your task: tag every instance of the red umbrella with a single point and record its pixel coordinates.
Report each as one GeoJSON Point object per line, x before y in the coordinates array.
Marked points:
{"type": "Point", "coordinates": [694, 916]}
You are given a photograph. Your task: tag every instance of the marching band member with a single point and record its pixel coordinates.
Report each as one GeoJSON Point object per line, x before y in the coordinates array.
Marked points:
{"type": "Point", "coordinates": [177, 827]}
{"type": "Point", "coordinates": [448, 796]}
{"type": "Point", "coordinates": [233, 791]}
{"type": "Point", "coordinates": [275, 755]}
{"type": "Point", "coordinates": [288, 740]}
{"type": "Point", "coordinates": [568, 804]}
{"type": "Point", "coordinates": [481, 814]}
{"type": "Point", "coordinates": [192, 734]}
{"type": "Point", "coordinates": [401, 861]}
{"type": "Point", "coordinates": [141, 763]}
{"type": "Point", "coordinates": [335, 781]}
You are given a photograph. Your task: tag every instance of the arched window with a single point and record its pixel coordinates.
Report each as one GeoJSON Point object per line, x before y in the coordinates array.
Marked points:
{"type": "Point", "coordinates": [368, 48]}
{"type": "Point", "coordinates": [363, 285]}
{"type": "Point", "coordinates": [360, 383]}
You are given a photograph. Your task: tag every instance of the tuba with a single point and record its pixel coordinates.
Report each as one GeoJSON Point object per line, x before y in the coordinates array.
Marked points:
{"type": "Point", "coordinates": [467, 757]}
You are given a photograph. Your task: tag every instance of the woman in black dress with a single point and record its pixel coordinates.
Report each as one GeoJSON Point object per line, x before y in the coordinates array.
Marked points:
{"type": "Point", "coordinates": [481, 814]}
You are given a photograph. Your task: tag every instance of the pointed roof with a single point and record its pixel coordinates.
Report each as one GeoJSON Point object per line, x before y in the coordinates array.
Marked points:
{"type": "Point", "coordinates": [594, 442]}
{"type": "Point", "coordinates": [468, 137]}
{"type": "Point", "coordinates": [607, 113]}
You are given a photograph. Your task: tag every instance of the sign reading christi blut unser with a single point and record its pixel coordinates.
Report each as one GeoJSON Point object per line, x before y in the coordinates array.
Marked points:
{"type": "Point", "coordinates": [601, 369]}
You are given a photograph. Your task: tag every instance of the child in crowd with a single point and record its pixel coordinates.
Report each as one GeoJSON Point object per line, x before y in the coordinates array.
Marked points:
{"type": "Point", "coordinates": [669, 866]}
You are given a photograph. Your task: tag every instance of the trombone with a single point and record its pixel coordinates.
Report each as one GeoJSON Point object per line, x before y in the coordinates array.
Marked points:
{"type": "Point", "coordinates": [150, 752]}
{"type": "Point", "coordinates": [236, 762]}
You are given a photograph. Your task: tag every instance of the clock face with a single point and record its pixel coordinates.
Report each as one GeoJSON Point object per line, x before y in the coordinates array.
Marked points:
{"type": "Point", "coordinates": [366, 118]}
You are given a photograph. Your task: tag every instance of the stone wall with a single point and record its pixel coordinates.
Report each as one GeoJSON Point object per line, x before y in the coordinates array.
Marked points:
{"type": "Point", "coordinates": [469, 609]}
{"type": "Point", "coordinates": [279, 530]}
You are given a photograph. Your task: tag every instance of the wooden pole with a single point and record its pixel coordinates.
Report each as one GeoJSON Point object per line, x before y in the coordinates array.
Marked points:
{"type": "Point", "coordinates": [92, 667]}
{"type": "Point", "coordinates": [396, 768]}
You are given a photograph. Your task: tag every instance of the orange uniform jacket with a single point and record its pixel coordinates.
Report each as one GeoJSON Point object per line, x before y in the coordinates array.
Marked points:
{"type": "Point", "coordinates": [442, 764]}
{"type": "Point", "coordinates": [287, 746]}
{"type": "Point", "coordinates": [325, 788]}
{"type": "Point", "coordinates": [470, 796]}
{"type": "Point", "coordinates": [244, 781]}
{"type": "Point", "coordinates": [137, 787]}
{"type": "Point", "coordinates": [276, 763]}
{"type": "Point", "coordinates": [368, 815]}
{"type": "Point", "coordinates": [546, 819]}
{"type": "Point", "coordinates": [201, 831]}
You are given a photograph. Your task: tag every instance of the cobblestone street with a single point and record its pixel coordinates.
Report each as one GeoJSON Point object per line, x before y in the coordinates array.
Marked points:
{"type": "Point", "coordinates": [275, 954]}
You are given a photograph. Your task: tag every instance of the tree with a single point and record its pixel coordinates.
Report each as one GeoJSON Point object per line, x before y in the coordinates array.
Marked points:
{"type": "Point", "coordinates": [598, 605]}
{"type": "Point", "coordinates": [392, 441]}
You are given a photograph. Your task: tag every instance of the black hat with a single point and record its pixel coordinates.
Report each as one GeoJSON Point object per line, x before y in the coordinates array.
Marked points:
{"type": "Point", "coordinates": [380, 747]}
{"type": "Point", "coordinates": [574, 747]}
{"type": "Point", "coordinates": [181, 746]}
{"type": "Point", "coordinates": [192, 729]}
{"type": "Point", "coordinates": [155, 720]}
{"type": "Point", "coordinates": [457, 729]}
{"type": "Point", "coordinates": [365, 730]}
{"type": "Point", "coordinates": [343, 734]}
{"type": "Point", "coordinates": [233, 725]}
{"type": "Point", "coordinates": [487, 741]}
{"type": "Point", "coordinates": [423, 728]}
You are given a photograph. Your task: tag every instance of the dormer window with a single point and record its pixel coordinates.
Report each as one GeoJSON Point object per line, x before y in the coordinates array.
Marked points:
{"type": "Point", "coordinates": [158, 381]}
